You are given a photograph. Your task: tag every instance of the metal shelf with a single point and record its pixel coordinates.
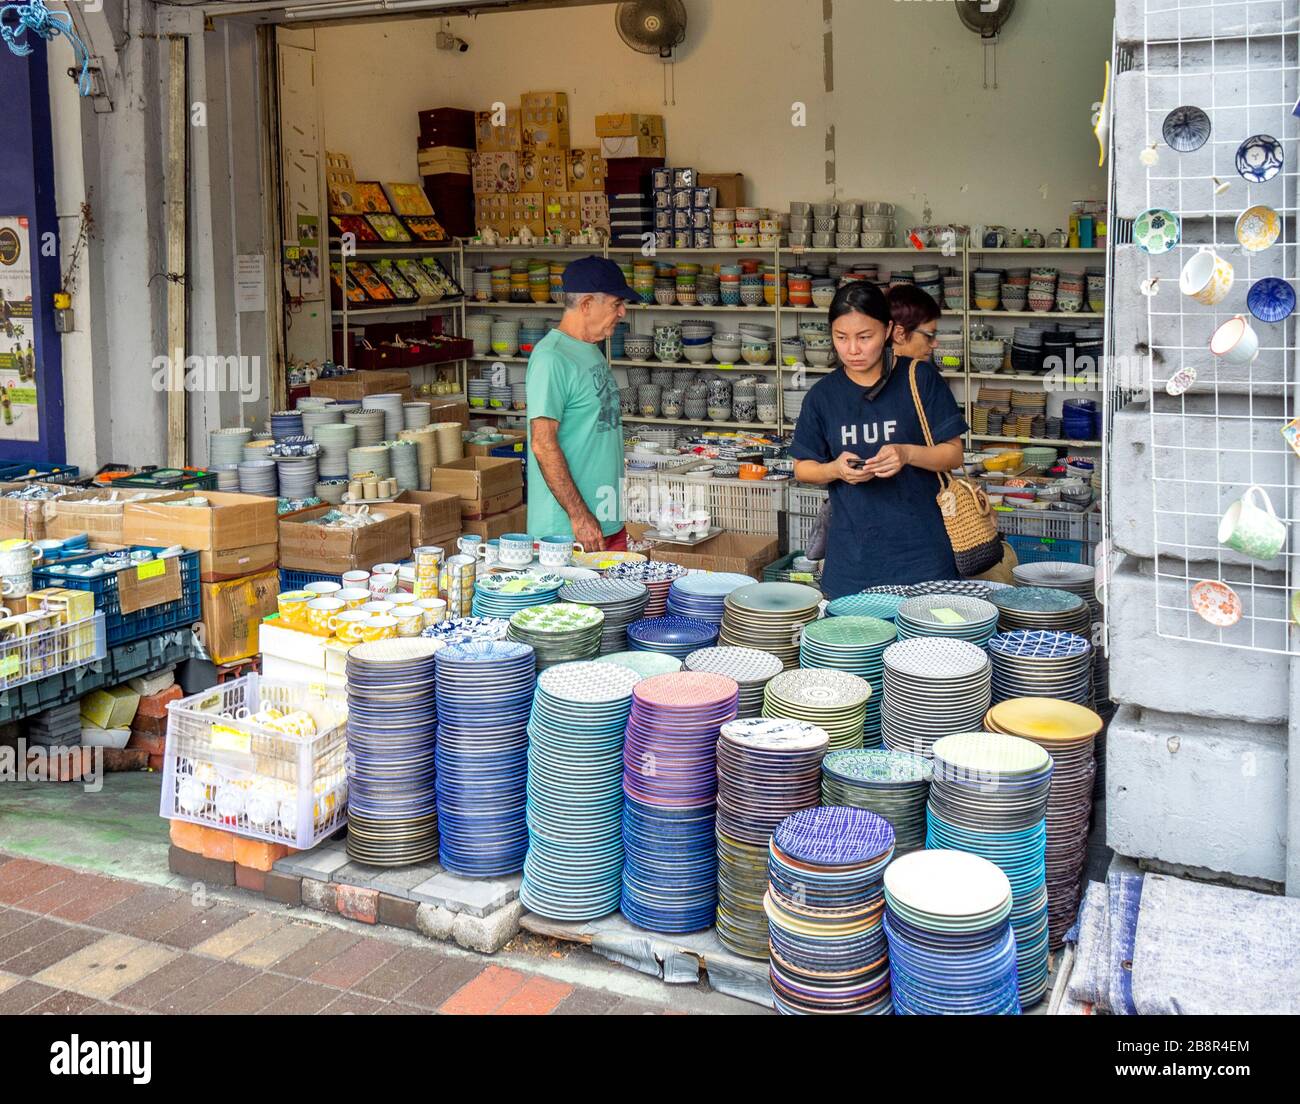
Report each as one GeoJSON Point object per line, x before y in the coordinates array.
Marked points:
{"type": "Point", "coordinates": [1034, 314]}
{"type": "Point", "coordinates": [1090, 252]}
{"type": "Point", "coordinates": [413, 250]}
{"type": "Point", "coordinates": [684, 365]}
{"type": "Point", "coordinates": [636, 419]}
{"type": "Point", "coordinates": [708, 310]}
{"type": "Point", "coordinates": [405, 308]}
{"type": "Point", "coordinates": [1059, 443]}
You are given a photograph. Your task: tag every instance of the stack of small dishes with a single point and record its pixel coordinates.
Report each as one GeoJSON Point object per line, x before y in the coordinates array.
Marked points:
{"type": "Point", "coordinates": [933, 688]}
{"type": "Point", "coordinates": [674, 636]}
{"type": "Point", "coordinates": [703, 595]}
{"type": "Point", "coordinates": [767, 770]}
{"type": "Point", "coordinates": [574, 866]}
{"type": "Point", "coordinates": [881, 606]}
{"type": "Point", "coordinates": [621, 601]}
{"type": "Point", "coordinates": [559, 632]}
{"type": "Point", "coordinates": [951, 948]}
{"type": "Point", "coordinates": [1041, 608]}
{"type": "Point", "coordinates": [657, 576]}
{"type": "Point", "coordinates": [506, 593]}
{"type": "Point", "coordinates": [750, 668]}
{"type": "Point", "coordinates": [989, 798]}
{"type": "Point", "coordinates": [857, 645]}
{"type": "Point", "coordinates": [1033, 663]}
{"type": "Point", "coordinates": [465, 630]}
{"type": "Point", "coordinates": [835, 701]}
{"type": "Point", "coordinates": [484, 694]}
{"type": "Point", "coordinates": [1068, 733]}
{"type": "Point", "coordinates": [770, 617]}
{"type": "Point", "coordinates": [892, 784]}
{"type": "Point", "coordinates": [824, 908]}
{"type": "Point", "coordinates": [670, 789]}
{"type": "Point", "coordinates": [947, 615]}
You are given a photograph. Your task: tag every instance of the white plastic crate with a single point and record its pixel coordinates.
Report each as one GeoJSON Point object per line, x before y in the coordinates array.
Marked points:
{"type": "Point", "coordinates": [224, 770]}
{"type": "Point", "coordinates": [799, 531]}
{"type": "Point", "coordinates": [1049, 524]}
{"type": "Point", "coordinates": [739, 505]}
{"type": "Point", "coordinates": [51, 651]}
{"type": "Point", "coordinates": [807, 500]}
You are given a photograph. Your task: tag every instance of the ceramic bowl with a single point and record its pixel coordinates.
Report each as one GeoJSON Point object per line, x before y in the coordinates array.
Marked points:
{"type": "Point", "coordinates": [1259, 158]}
{"type": "Point", "coordinates": [819, 358]}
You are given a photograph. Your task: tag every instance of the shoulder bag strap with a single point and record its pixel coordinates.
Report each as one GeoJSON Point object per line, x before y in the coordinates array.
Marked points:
{"type": "Point", "coordinates": [925, 422]}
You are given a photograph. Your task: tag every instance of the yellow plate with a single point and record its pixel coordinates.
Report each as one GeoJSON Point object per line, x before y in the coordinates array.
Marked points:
{"type": "Point", "coordinates": [1045, 719]}
{"type": "Point", "coordinates": [602, 561]}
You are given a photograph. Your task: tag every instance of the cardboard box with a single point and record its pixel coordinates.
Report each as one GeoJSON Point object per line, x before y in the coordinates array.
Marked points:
{"type": "Point", "coordinates": [495, 172]}
{"type": "Point", "coordinates": [585, 170]}
{"type": "Point", "coordinates": [432, 514]}
{"type": "Point", "coordinates": [739, 552]}
{"type": "Point", "coordinates": [306, 546]}
{"type": "Point", "coordinates": [357, 385]}
{"type": "Point", "coordinates": [150, 584]}
{"type": "Point", "coordinates": [448, 410]}
{"type": "Point", "coordinates": [496, 525]}
{"type": "Point", "coordinates": [21, 518]}
{"type": "Point", "coordinates": [231, 563]}
{"type": "Point", "coordinates": [629, 126]}
{"type": "Point", "coordinates": [233, 612]}
{"type": "Point", "coordinates": [110, 708]}
{"type": "Point", "coordinates": [485, 484]}
{"type": "Point", "coordinates": [445, 159]}
{"type": "Point", "coordinates": [497, 139]}
{"type": "Point", "coordinates": [446, 126]}
{"type": "Point", "coordinates": [730, 186]}
{"type": "Point", "coordinates": [101, 514]}
{"type": "Point", "coordinates": [564, 211]}
{"type": "Point", "coordinates": [544, 120]}
{"type": "Point", "coordinates": [507, 214]}
{"type": "Point", "coordinates": [645, 145]}
{"type": "Point", "coordinates": [229, 521]}
{"type": "Point", "coordinates": [595, 210]}
{"type": "Point", "coordinates": [543, 171]}
{"type": "Point", "coordinates": [516, 436]}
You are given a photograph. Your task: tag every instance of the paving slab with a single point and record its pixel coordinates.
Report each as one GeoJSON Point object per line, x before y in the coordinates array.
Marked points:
{"type": "Point", "coordinates": [319, 864]}
{"type": "Point", "coordinates": [475, 896]}
{"type": "Point", "coordinates": [397, 882]}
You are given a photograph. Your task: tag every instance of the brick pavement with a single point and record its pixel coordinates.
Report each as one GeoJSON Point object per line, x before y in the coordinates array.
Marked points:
{"type": "Point", "coordinates": [76, 943]}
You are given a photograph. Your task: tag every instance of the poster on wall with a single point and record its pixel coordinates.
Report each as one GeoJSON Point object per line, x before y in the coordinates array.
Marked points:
{"type": "Point", "coordinates": [18, 420]}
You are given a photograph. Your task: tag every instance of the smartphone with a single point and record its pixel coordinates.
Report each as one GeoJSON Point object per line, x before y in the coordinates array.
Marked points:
{"type": "Point", "coordinates": [857, 465]}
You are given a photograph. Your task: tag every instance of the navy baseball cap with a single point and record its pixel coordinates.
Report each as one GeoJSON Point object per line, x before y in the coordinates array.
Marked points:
{"type": "Point", "coordinates": [597, 275]}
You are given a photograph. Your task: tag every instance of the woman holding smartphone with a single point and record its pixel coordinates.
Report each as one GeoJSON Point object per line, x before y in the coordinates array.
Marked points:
{"type": "Point", "coordinates": [860, 433]}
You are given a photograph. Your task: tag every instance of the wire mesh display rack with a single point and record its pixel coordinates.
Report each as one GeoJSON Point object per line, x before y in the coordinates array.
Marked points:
{"type": "Point", "coordinates": [1237, 61]}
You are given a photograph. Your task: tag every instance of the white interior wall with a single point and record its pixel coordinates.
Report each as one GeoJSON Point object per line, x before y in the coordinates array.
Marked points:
{"type": "Point", "coordinates": [913, 123]}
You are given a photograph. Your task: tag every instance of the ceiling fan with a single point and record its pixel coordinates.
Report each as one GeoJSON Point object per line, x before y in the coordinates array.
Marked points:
{"type": "Point", "coordinates": [653, 27]}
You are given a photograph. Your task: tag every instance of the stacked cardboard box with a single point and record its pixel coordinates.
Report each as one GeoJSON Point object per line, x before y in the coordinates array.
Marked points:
{"type": "Point", "coordinates": [631, 136]}
{"type": "Point", "coordinates": [683, 210]}
{"type": "Point", "coordinates": [491, 494]}
{"type": "Point", "coordinates": [306, 545]}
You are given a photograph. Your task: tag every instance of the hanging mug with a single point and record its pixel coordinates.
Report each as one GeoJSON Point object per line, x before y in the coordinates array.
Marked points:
{"type": "Point", "coordinates": [1252, 528]}
{"type": "Point", "coordinates": [1207, 277]}
{"type": "Point", "coordinates": [1235, 341]}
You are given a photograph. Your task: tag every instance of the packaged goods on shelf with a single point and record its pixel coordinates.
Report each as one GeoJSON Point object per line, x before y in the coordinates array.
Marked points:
{"type": "Point", "coordinates": [629, 126]}
{"type": "Point", "coordinates": [447, 126]}
{"type": "Point", "coordinates": [543, 170]}
{"type": "Point", "coordinates": [544, 120]}
{"type": "Point", "coordinates": [490, 138]}
{"type": "Point", "coordinates": [563, 211]}
{"type": "Point", "coordinates": [586, 170]}
{"type": "Point", "coordinates": [495, 172]}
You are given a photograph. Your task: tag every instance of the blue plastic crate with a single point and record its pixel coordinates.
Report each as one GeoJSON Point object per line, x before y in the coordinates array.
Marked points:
{"type": "Point", "coordinates": [1041, 549]}
{"type": "Point", "coordinates": [124, 627]}
{"type": "Point", "coordinates": [296, 580]}
{"type": "Point", "coordinates": [517, 451]}
{"type": "Point", "coordinates": [38, 471]}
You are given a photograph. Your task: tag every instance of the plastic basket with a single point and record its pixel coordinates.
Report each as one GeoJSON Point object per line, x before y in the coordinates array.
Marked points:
{"type": "Point", "coordinates": [807, 500]}
{"type": "Point", "coordinates": [39, 471]}
{"type": "Point", "coordinates": [782, 571]}
{"type": "Point", "coordinates": [171, 479]}
{"type": "Point", "coordinates": [1094, 525]}
{"type": "Point", "coordinates": [799, 531]}
{"type": "Point", "coordinates": [51, 652]}
{"type": "Point", "coordinates": [296, 580]}
{"type": "Point", "coordinates": [224, 770]}
{"type": "Point", "coordinates": [739, 505]}
{"type": "Point", "coordinates": [1049, 524]}
{"type": "Point", "coordinates": [123, 627]}
{"type": "Point", "coordinates": [1042, 549]}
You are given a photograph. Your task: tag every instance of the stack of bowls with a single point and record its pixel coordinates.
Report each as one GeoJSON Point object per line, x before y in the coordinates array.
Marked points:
{"type": "Point", "coordinates": [258, 477]}
{"type": "Point", "coordinates": [954, 293]}
{"type": "Point", "coordinates": [987, 288]}
{"type": "Point", "coordinates": [286, 423]}
{"type": "Point", "coordinates": [1088, 348]}
{"type": "Point", "coordinates": [686, 278]}
{"type": "Point", "coordinates": [729, 284]}
{"type": "Point", "coordinates": [1070, 291]}
{"type": "Point", "coordinates": [482, 286]}
{"type": "Point", "coordinates": [500, 280]}
{"type": "Point", "coordinates": [765, 398]}
{"type": "Point", "coordinates": [751, 289]}
{"type": "Point", "coordinates": [719, 404]}
{"type": "Point", "coordinates": [226, 446]}
{"type": "Point", "coordinates": [638, 346]}
{"type": "Point", "coordinates": [1096, 289]}
{"type": "Point", "coordinates": [744, 399]}
{"type": "Point", "coordinates": [756, 350]}
{"type": "Point", "coordinates": [618, 342]}
{"type": "Point", "coordinates": [1079, 418]}
{"type": "Point", "coordinates": [697, 340]}
{"type": "Point", "coordinates": [519, 289]}
{"type": "Point", "coordinates": [987, 356]}
{"type": "Point", "coordinates": [697, 401]}
{"type": "Point", "coordinates": [480, 392]}
{"type": "Point", "coordinates": [648, 399]}
{"type": "Point", "coordinates": [726, 347]}
{"type": "Point", "coordinates": [1042, 289]}
{"type": "Point", "coordinates": [668, 342]}
{"type": "Point", "coordinates": [1027, 351]}
{"type": "Point", "coordinates": [707, 289]}
{"type": "Point", "coordinates": [929, 279]}
{"type": "Point", "coordinates": [823, 292]}
{"type": "Point", "coordinates": [505, 337]}
{"type": "Point", "coordinates": [530, 333]}
{"type": "Point", "coordinates": [478, 328]}
{"type": "Point", "coordinates": [557, 281]}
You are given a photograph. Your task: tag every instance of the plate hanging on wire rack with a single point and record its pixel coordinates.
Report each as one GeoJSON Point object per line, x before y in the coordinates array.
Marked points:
{"type": "Point", "coordinates": [1186, 129]}
{"type": "Point", "coordinates": [1259, 158]}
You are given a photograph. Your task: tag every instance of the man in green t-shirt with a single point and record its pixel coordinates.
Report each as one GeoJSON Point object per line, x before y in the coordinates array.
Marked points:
{"type": "Point", "coordinates": [575, 426]}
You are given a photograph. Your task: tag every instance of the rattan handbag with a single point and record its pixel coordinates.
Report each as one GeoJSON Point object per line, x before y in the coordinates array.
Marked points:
{"type": "Point", "coordinates": [966, 512]}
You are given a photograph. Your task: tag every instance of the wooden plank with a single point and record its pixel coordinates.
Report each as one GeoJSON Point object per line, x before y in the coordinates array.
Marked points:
{"type": "Point", "coordinates": [267, 84]}
{"type": "Point", "coordinates": [176, 183]}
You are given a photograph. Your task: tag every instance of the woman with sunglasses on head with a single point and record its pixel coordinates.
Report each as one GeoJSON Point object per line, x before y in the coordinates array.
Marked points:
{"type": "Point", "coordinates": [860, 433]}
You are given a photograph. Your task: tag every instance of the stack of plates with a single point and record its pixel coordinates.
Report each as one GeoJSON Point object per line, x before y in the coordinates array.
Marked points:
{"type": "Point", "coordinates": [485, 692]}
{"type": "Point", "coordinates": [394, 416]}
{"type": "Point", "coordinates": [670, 784]}
{"type": "Point", "coordinates": [296, 476]}
{"type": "Point", "coordinates": [881, 606]}
{"type": "Point", "coordinates": [967, 588]}
{"type": "Point", "coordinates": [226, 446]}
{"type": "Point", "coordinates": [674, 636]}
{"type": "Point", "coordinates": [574, 867]}
{"type": "Point", "coordinates": [657, 576]}
{"type": "Point", "coordinates": [989, 797]}
{"type": "Point", "coordinates": [370, 458]}
{"type": "Point", "coordinates": [416, 415]}
{"type": "Point", "coordinates": [466, 630]}
{"type": "Point", "coordinates": [951, 949]}
{"type": "Point", "coordinates": [335, 441]}
{"type": "Point", "coordinates": [950, 615]}
{"type": "Point", "coordinates": [1079, 579]}
{"type": "Point", "coordinates": [897, 590]}
{"type": "Point", "coordinates": [893, 784]}
{"type": "Point", "coordinates": [824, 908]}
{"type": "Point", "coordinates": [392, 719]}
{"type": "Point", "coordinates": [855, 644]}
{"type": "Point", "coordinates": [933, 688]}
{"type": "Point", "coordinates": [645, 664]}
{"type": "Point", "coordinates": [621, 601]}
{"type": "Point", "coordinates": [286, 423]}
{"type": "Point", "coordinates": [227, 476]}
{"type": "Point", "coordinates": [405, 460]}
{"type": "Point", "coordinates": [703, 595]}
{"type": "Point", "coordinates": [1030, 663]}
{"type": "Point", "coordinates": [1068, 733]}
{"type": "Point", "coordinates": [604, 561]}
{"type": "Point", "coordinates": [258, 477]}
{"type": "Point", "coordinates": [559, 632]}
{"type": "Point", "coordinates": [1041, 608]}
{"type": "Point", "coordinates": [751, 670]}
{"type": "Point", "coordinates": [767, 770]}
{"type": "Point", "coordinates": [832, 700]}
{"type": "Point", "coordinates": [311, 419]}
{"type": "Point", "coordinates": [508, 592]}
{"type": "Point", "coordinates": [370, 426]}
{"type": "Point", "coordinates": [770, 617]}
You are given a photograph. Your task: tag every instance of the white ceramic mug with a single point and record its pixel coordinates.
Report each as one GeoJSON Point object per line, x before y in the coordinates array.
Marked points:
{"type": "Point", "coordinates": [470, 546]}
{"type": "Point", "coordinates": [1251, 527]}
{"type": "Point", "coordinates": [556, 551]}
{"type": "Point", "coordinates": [492, 553]}
{"type": "Point", "coordinates": [516, 549]}
{"type": "Point", "coordinates": [323, 589]}
{"type": "Point", "coordinates": [1207, 277]}
{"type": "Point", "coordinates": [17, 558]}
{"type": "Point", "coordinates": [355, 578]}
{"type": "Point", "coordinates": [386, 569]}
{"type": "Point", "coordinates": [1235, 341]}
{"type": "Point", "coordinates": [382, 585]}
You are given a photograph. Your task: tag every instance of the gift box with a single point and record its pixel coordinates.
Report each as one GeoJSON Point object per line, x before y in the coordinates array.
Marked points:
{"type": "Point", "coordinates": [586, 170]}
{"type": "Point", "coordinates": [543, 170]}
{"type": "Point", "coordinates": [544, 120]}
{"type": "Point", "coordinates": [489, 138]}
{"type": "Point", "coordinates": [447, 126]}
{"type": "Point", "coordinates": [629, 126]}
{"type": "Point", "coordinates": [495, 172]}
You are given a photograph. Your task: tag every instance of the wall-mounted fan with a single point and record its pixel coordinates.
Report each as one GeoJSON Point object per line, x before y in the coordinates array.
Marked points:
{"type": "Point", "coordinates": [653, 27]}
{"type": "Point", "coordinates": [986, 18]}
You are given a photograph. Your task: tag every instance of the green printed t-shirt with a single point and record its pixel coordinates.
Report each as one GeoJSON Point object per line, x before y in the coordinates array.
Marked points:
{"type": "Point", "coordinates": [570, 381]}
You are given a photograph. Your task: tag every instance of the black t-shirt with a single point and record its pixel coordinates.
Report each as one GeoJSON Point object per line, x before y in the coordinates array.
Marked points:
{"type": "Point", "coordinates": [885, 530]}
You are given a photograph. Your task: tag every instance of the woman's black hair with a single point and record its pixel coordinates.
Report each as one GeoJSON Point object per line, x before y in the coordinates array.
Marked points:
{"type": "Point", "coordinates": [911, 307]}
{"type": "Point", "coordinates": [862, 297]}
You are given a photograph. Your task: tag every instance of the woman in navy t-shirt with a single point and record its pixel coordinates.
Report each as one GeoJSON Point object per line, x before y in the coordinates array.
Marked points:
{"type": "Point", "coordinates": [858, 431]}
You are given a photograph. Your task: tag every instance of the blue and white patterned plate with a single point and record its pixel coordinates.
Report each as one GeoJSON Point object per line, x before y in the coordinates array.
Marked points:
{"type": "Point", "coordinates": [1259, 158]}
